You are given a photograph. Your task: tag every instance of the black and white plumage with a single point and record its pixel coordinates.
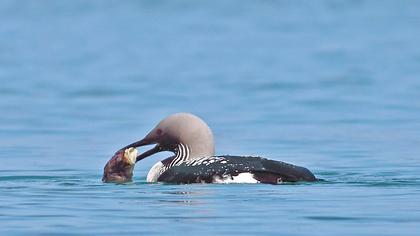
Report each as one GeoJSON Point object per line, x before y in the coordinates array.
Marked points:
{"type": "Point", "coordinates": [232, 169]}
{"type": "Point", "coordinates": [191, 140]}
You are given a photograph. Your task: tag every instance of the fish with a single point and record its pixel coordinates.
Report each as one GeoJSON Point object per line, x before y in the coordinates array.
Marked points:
{"type": "Point", "coordinates": [119, 169]}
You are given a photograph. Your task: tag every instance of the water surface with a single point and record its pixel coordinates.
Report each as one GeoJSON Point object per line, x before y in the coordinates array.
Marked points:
{"type": "Point", "coordinates": [330, 85]}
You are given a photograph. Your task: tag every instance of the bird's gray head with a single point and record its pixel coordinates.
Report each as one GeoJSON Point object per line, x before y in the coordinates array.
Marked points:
{"type": "Point", "coordinates": [184, 134]}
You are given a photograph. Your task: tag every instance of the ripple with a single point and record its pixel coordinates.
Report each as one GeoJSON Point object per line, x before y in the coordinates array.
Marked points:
{"type": "Point", "coordinates": [29, 177]}
{"type": "Point", "coordinates": [335, 218]}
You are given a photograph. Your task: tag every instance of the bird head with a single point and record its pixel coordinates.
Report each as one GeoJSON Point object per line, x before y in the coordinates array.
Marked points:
{"type": "Point", "coordinates": [184, 134]}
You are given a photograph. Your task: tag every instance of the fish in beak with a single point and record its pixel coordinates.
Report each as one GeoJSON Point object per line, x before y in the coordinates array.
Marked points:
{"type": "Point", "coordinates": [119, 169]}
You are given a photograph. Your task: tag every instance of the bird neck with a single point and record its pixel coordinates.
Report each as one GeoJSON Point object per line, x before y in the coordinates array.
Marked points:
{"type": "Point", "coordinates": [184, 152]}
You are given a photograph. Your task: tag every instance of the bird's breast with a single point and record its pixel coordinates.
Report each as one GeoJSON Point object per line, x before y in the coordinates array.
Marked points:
{"type": "Point", "coordinates": [154, 172]}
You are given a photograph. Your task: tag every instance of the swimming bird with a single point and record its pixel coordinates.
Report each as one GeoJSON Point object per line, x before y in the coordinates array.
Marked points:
{"type": "Point", "coordinates": [190, 139]}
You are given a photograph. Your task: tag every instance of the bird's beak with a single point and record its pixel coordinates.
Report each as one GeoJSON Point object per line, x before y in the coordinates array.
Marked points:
{"type": "Point", "coordinates": [144, 142]}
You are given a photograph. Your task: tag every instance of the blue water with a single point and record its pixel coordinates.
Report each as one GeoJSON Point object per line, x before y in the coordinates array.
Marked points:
{"type": "Point", "coordinates": [330, 85]}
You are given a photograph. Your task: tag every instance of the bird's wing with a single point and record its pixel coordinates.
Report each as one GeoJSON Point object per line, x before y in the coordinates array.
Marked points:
{"type": "Point", "coordinates": [207, 169]}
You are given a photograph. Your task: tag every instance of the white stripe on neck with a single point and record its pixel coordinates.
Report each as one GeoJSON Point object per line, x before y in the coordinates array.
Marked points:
{"type": "Point", "coordinates": [182, 154]}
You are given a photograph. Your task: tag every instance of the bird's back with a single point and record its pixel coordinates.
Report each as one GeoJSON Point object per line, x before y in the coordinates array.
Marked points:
{"type": "Point", "coordinates": [230, 168]}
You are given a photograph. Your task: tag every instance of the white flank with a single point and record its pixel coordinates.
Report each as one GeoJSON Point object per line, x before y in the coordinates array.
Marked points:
{"type": "Point", "coordinates": [242, 178]}
{"type": "Point", "coordinates": [154, 172]}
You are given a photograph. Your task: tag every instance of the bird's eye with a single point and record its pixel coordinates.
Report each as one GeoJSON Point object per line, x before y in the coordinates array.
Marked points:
{"type": "Point", "coordinates": [159, 132]}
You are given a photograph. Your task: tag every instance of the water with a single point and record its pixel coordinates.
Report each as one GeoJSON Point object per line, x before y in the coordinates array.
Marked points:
{"type": "Point", "coordinates": [330, 85]}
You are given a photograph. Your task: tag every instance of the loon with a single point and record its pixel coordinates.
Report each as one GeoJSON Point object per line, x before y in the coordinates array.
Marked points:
{"type": "Point", "coordinates": [190, 139]}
